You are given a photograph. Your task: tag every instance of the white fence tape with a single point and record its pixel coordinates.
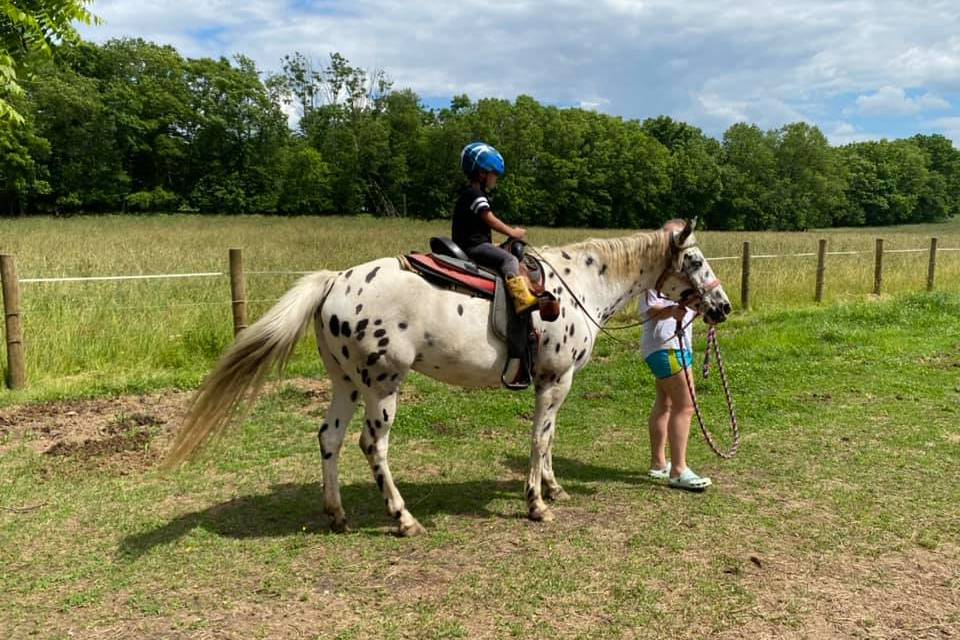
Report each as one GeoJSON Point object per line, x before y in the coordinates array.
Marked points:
{"type": "Point", "coordinates": [214, 274]}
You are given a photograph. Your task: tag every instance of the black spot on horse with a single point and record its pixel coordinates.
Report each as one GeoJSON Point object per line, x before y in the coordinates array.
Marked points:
{"type": "Point", "coordinates": [360, 335]}
{"type": "Point", "coordinates": [546, 341]}
{"type": "Point", "coordinates": [381, 377]}
{"type": "Point", "coordinates": [589, 260]}
{"type": "Point", "coordinates": [360, 291]}
{"type": "Point", "coordinates": [573, 328]}
{"type": "Point", "coordinates": [397, 514]}
{"type": "Point", "coordinates": [546, 427]}
{"type": "Point", "coordinates": [347, 275]}
{"type": "Point", "coordinates": [353, 395]}
{"type": "Point", "coordinates": [336, 423]}
{"type": "Point", "coordinates": [377, 424]}
{"type": "Point", "coordinates": [370, 449]}
{"type": "Point", "coordinates": [334, 326]}
{"type": "Point", "coordinates": [372, 275]}
{"type": "Point", "coordinates": [603, 269]}
{"type": "Point", "coordinates": [403, 326]}
{"type": "Point", "coordinates": [348, 289]}
{"type": "Point", "coordinates": [345, 329]}
{"type": "Point", "coordinates": [372, 359]}
{"type": "Point", "coordinates": [380, 481]}
{"type": "Point", "coordinates": [362, 324]}
{"type": "Point", "coordinates": [345, 352]}
{"type": "Point", "coordinates": [565, 255]}
{"type": "Point", "coordinates": [383, 342]}
{"type": "Point", "coordinates": [582, 353]}
{"type": "Point", "coordinates": [460, 309]}
{"type": "Point", "coordinates": [327, 455]}
{"type": "Point", "coordinates": [358, 309]}
{"type": "Point", "coordinates": [557, 348]}
{"type": "Point", "coordinates": [379, 333]}
{"type": "Point", "coordinates": [377, 322]}
{"type": "Point", "coordinates": [566, 271]}
{"type": "Point", "coordinates": [386, 416]}
{"type": "Point", "coordinates": [324, 427]}
{"type": "Point", "coordinates": [393, 377]}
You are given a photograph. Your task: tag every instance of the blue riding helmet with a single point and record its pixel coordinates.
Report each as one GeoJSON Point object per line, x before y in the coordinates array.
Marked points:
{"type": "Point", "coordinates": [479, 156]}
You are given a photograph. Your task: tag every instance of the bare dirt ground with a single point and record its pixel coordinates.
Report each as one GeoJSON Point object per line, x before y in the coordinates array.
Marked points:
{"type": "Point", "coordinates": [126, 433]}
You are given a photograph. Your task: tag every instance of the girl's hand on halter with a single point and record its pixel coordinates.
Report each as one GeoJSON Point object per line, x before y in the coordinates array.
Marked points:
{"type": "Point", "coordinates": [518, 233]}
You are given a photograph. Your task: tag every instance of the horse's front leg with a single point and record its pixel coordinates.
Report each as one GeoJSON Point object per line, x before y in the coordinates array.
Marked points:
{"type": "Point", "coordinates": [550, 397]}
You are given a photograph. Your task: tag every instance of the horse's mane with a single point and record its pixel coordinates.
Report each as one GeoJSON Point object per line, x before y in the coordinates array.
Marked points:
{"type": "Point", "coordinates": [622, 255]}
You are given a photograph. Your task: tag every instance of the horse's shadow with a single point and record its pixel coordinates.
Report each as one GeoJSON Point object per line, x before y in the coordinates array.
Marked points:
{"type": "Point", "coordinates": [293, 508]}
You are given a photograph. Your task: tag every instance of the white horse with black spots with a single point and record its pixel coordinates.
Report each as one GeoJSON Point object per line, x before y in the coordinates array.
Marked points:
{"type": "Point", "coordinates": [376, 322]}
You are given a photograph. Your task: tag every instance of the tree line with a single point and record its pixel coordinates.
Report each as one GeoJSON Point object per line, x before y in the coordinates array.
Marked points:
{"type": "Point", "coordinates": [134, 126]}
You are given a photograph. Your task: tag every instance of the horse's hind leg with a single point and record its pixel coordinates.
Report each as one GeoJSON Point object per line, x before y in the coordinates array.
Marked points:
{"type": "Point", "coordinates": [381, 411]}
{"type": "Point", "coordinates": [332, 431]}
{"type": "Point", "coordinates": [550, 397]}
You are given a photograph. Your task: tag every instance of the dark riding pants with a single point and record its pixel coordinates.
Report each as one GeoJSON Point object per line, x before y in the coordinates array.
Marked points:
{"type": "Point", "coordinates": [492, 256]}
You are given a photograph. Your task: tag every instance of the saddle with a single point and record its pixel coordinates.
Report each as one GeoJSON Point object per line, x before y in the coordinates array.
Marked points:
{"type": "Point", "coordinates": [448, 266]}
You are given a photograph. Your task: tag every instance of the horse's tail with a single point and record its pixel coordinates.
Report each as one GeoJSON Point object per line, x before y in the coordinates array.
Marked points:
{"type": "Point", "coordinates": [238, 376]}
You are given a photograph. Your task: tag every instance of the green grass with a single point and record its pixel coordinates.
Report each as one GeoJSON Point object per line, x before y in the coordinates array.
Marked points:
{"type": "Point", "coordinates": [91, 339]}
{"type": "Point", "coordinates": [838, 518]}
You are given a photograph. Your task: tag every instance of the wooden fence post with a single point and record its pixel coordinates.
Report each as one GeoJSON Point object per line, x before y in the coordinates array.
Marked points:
{"type": "Point", "coordinates": [745, 277]}
{"type": "Point", "coordinates": [16, 363]}
{"type": "Point", "coordinates": [878, 269]}
{"type": "Point", "coordinates": [932, 268]}
{"type": "Point", "coordinates": [238, 291]}
{"type": "Point", "coordinates": [821, 267]}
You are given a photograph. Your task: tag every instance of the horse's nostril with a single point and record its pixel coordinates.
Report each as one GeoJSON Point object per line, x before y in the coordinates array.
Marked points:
{"type": "Point", "coordinates": [727, 308]}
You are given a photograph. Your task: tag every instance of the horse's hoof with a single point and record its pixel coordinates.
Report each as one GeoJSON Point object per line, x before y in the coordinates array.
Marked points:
{"type": "Point", "coordinates": [339, 526]}
{"type": "Point", "coordinates": [541, 515]}
{"type": "Point", "coordinates": [411, 530]}
{"type": "Point", "coordinates": [556, 495]}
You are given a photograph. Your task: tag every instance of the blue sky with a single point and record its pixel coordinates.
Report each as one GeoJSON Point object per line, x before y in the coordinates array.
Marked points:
{"type": "Point", "coordinates": [861, 69]}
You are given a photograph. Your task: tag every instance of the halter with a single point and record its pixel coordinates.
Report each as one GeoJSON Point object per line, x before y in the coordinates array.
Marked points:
{"type": "Point", "coordinates": [670, 270]}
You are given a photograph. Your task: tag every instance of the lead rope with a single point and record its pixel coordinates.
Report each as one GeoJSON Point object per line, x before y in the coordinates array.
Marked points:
{"type": "Point", "coordinates": [734, 427]}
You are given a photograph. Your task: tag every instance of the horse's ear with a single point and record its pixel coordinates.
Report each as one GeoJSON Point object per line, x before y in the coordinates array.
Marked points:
{"type": "Point", "coordinates": [681, 238]}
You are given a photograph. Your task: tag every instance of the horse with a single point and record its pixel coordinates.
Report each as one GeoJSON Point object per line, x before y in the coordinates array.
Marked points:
{"type": "Point", "coordinates": [376, 322]}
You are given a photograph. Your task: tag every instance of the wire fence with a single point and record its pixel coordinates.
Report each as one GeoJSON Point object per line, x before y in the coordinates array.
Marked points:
{"type": "Point", "coordinates": [16, 373]}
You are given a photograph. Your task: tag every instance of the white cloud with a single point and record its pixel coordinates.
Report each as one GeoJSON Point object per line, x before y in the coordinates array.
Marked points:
{"type": "Point", "coordinates": [711, 62]}
{"type": "Point", "coordinates": [895, 101]}
{"type": "Point", "coordinates": [841, 133]}
{"type": "Point", "coordinates": [949, 127]}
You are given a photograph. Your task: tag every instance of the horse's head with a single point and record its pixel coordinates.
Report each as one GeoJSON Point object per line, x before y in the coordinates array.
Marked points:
{"type": "Point", "coordinates": [687, 274]}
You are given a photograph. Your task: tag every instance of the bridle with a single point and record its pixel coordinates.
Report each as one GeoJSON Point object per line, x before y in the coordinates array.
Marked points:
{"type": "Point", "coordinates": [672, 270]}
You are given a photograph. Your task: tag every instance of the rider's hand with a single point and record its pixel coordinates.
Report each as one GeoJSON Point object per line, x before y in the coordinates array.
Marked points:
{"type": "Point", "coordinates": [519, 233]}
{"type": "Point", "coordinates": [679, 313]}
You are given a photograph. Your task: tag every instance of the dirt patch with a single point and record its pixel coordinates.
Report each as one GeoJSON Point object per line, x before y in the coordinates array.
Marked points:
{"type": "Point", "coordinates": [912, 595]}
{"type": "Point", "coordinates": [113, 432]}
{"type": "Point", "coordinates": [122, 434]}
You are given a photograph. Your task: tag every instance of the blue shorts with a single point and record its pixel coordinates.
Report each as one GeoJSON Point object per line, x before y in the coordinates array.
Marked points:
{"type": "Point", "coordinates": [669, 362]}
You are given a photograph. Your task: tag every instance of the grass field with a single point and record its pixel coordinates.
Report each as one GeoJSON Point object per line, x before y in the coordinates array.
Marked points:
{"type": "Point", "coordinates": [838, 519]}
{"type": "Point", "coordinates": [97, 338]}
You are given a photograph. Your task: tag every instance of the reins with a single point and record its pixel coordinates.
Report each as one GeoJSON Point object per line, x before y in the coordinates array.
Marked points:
{"type": "Point", "coordinates": [711, 341]}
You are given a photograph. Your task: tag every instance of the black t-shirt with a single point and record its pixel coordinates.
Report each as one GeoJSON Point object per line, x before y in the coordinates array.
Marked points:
{"type": "Point", "coordinates": [469, 229]}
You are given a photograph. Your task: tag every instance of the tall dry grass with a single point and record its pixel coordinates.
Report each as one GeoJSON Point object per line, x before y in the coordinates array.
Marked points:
{"type": "Point", "coordinates": [100, 337]}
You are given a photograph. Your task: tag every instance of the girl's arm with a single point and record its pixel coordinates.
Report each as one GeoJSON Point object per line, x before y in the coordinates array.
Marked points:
{"type": "Point", "coordinates": [492, 221]}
